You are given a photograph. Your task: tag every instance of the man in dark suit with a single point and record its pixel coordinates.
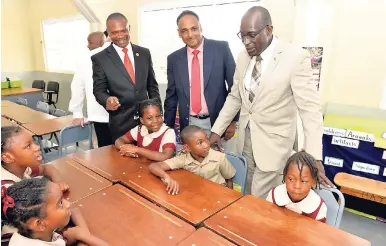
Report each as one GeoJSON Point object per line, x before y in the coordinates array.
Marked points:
{"type": "Point", "coordinates": [123, 76]}
{"type": "Point", "coordinates": [200, 76]}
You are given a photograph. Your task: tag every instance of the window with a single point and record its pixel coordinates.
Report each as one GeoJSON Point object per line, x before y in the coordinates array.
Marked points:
{"type": "Point", "coordinates": [64, 39]}
{"type": "Point", "coordinates": [220, 20]}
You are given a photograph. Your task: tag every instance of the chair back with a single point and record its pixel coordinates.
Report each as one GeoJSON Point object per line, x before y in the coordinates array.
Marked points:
{"type": "Point", "coordinates": [22, 101]}
{"type": "Point", "coordinates": [73, 134]}
{"type": "Point", "coordinates": [53, 86]}
{"type": "Point", "coordinates": [43, 107]}
{"type": "Point", "coordinates": [58, 113]}
{"type": "Point", "coordinates": [334, 209]}
{"type": "Point", "coordinates": [240, 164]}
{"type": "Point", "coordinates": [39, 84]}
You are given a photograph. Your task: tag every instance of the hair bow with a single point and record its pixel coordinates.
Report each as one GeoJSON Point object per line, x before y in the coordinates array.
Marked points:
{"type": "Point", "coordinates": [8, 201]}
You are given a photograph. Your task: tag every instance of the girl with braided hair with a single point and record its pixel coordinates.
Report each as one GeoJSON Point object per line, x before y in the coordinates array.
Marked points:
{"type": "Point", "coordinates": [300, 177]}
{"type": "Point", "coordinates": [36, 207]}
{"type": "Point", "coordinates": [154, 140]}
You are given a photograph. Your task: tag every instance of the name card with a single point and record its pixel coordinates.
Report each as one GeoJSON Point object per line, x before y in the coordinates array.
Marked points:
{"type": "Point", "coordinates": [331, 161]}
{"type": "Point", "coordinates": [384, 155]}
{"type": "Point", "coordinates": [365, 167]}
{"type": "Point", "coordinates": [345, 142]}
{"type": "Point", "coordinates": [362, 136]}
{"type": "Point", "coordinates": [384, 172]}
{"type": "Point", "coordinates": [334, 131]}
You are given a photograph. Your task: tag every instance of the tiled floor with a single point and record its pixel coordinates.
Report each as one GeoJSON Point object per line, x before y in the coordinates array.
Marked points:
{"type": "Point", "coordinates": [371, 230]}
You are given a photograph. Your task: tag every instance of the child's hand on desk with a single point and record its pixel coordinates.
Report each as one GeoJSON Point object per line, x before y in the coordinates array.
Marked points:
{"type": "Point", "coordinates": [172, 186]}
{"type": "Point", "coordinates": [74, 233]}
{"type": "Point", "coordinates": [63, 185]}
{"type": "Point", "coordinates": [128, 150]}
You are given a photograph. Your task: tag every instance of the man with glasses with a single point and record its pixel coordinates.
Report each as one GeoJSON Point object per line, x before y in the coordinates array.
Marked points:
{"type": "Point", "coordinates": [200, 76]}
{"type": "Point", "coordinates": [123, 76]}
{"type": "Point", "coordinates": [273, 81]}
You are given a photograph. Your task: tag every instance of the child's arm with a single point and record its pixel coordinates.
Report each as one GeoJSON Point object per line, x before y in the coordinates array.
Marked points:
{"type": "Point", "coordinates": [80, 234]}
{"type": "Point", "coordinates": [52, 174]}
{"type": "Point", "coordinates": [122, 141]}
{"type": "Point", "coordinates": [229, 183]}
{"type": "Point", "coordinates": [159, 169]}
{"type": "Point", "coordinates": [123, 144]}
{"type": "Point", "coordinates": [78, 219]}
{"type": "Point", "coordinates": [167, 153]}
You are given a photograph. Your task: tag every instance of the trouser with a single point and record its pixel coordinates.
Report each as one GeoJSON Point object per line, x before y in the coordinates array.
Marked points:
{"type": "Point", "coordinates": [103, 134]}
{"type": "Point", "coordinates": [259, 183]}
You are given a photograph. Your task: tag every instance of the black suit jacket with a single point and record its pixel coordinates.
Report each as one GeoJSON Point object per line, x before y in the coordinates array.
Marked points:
{"type": "Point", "coordinates": [112, 79]}
{"type": "Point", "coordinates": [219, 68]}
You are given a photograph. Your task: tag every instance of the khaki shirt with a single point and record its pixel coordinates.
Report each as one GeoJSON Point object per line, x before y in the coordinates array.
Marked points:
{"type": "Point", "coordinates": [215, 167]}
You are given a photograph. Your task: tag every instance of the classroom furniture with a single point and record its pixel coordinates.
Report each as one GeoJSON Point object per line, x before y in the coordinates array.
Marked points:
{"type": "Point", "coordinates": [240, 164]}
{"type": "Point", "coordinates": [52, 89]}
{"type": "Point", "coordinates": [22, 101]}
{"type": "Point", "coordinates": [43, 107]}
{"type": "Point", "coordinates": [58, 112]}
{"type": "Point", "coordinates": [334, 208]}
{"type": "Point", "coordinates": [253, 221]}
{"type": "Point", "coordinates": [121, 217]}
{"type": "Point", "coordinates": [39, 84]}
{"type": "Point", "coordinates": [31, 94]}
{"type": "Point", "coordinates": [6, 122]}
{"type": "Point", "coordinates": [82, 181]}
{"type": "Point", "coordinates": [108, 163]}
{"type": "Point", "coordinates": [197, 200]}
{"type": "Point", "coordinates": [24, 115]}
{"type": "Point", "coordinates": [354, 141]}
{"type": "Point", "coordinates": [73, 134]}
{"type": "Point", "coordinates": [6, 103]}
{"type": "Point", "coordinates": [369, 189]}
{"type": "Point", "coordinates": [205, 237]}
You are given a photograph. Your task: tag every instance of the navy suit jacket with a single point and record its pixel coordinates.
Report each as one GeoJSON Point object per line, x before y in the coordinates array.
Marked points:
{"type": "Point", "coordinates": [219, 68]}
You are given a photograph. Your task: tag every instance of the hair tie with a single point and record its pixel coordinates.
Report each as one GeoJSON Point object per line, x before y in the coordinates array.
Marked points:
{"type": "Point", "coordinates": [8, 201]}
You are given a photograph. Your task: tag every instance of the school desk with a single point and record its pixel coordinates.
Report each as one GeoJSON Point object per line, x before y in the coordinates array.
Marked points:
{"type": "Point", "coordinates": [197, 200]}
{"type": "Point", "coordinates": [32, 95]}
{"type": "Point", "coordinates": [253, 221]}
{"type": "Point", "coordinates": [6, 122]}
{"type": "Point", "coordinates": [205, 237]}
{"type": "Point", "coordinates": [82, 181]}
{"type": "Point", "coordinates": [23, 115]}
{"type": "Point", "coordinates": [107, 162]}
{"type": "Point", "coordinates": [48, 126]}
{"type": "Point", "coordinates": [121, 217]}
{"type": "Point", "coordinates": [6, 103]}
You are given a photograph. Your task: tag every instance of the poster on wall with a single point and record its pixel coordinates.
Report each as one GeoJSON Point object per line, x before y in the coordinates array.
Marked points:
{"type": "Point", "coordinates": [316, 62]}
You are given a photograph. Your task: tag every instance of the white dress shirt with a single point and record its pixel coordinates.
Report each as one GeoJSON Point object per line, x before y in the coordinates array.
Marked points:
{"type": "Point", "coordinates": [129, 53]}
{"type": "Point", "coordinates": [266, 56]}
{"type": "Point", "coordinates": [82, 85]}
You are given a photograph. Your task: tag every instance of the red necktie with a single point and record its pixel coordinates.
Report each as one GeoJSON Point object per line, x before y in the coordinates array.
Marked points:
{"type": "Point", "coordinates": [128, 65]}
{"type": "Point", "coordinates": [195, 84]}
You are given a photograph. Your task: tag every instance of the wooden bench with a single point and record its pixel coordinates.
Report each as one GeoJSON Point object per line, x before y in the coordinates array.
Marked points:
{"type": "Point", "coordinates": [365, 188]}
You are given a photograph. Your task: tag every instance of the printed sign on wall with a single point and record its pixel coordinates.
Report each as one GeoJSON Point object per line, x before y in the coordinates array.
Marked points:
{"type": "Point", "coordinates": [345, 142]}
{"type": "Point", "coordinates": [331, 161]}
{"type": "Point", "coordinates": [365, 167]}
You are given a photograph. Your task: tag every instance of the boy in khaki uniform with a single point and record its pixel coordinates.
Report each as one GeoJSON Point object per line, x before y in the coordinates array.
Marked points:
{"type": "Point", "coordinates": [198, 158]}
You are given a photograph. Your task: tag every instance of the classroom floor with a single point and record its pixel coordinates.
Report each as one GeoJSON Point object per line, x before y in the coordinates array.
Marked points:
{"type": "Point", "coordinates": [371, 230]}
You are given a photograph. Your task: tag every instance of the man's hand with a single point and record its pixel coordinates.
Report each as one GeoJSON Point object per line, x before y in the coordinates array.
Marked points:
{"type": "Point", "coordinates": [112, 103]}
{"type": "Point", "coordinates": [322, 176]}
{"type": "Point", "coordinates": [78, 121]}
{"type": "Point", "coordinates": [172, 186]}
{"type": "Point", "coordinates": [215, 141]}
{"type": "Point", "coordinates": [230, 131]}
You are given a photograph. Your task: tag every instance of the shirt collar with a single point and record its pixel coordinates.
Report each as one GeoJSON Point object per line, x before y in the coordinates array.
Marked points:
{"type": "Point", "coordinates": [119, 49]}
{"type": "Point", "coordinates": [211, 157]}
{"type": "Point", "coordinates": [308, 205]}
{"type": "Point", "coordinates": [145, 132]}
{"type": "Point", "coordinates": [267, 53]}
{"type": "Point", "coordinates": [7, 175]}
{"type": "Point", "coordinates": [199, 48]}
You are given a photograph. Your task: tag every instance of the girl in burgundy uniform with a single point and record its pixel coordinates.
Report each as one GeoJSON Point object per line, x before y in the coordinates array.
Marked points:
{"type": "Point", "coordinates": [296, 194]}
{"type": "Point", "coordinates": [154, 140]}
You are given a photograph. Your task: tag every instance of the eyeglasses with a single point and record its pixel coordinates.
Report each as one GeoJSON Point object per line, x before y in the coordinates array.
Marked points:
{"type": "Point", "coordinates": [251, 35]}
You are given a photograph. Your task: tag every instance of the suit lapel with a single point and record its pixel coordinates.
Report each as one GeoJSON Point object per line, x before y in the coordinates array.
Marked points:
{"type": "Point", "coordinates": [184, 72]}
{"type": "Point", "coordinates": [272, 63]}
{"type": "Point", "coordinates": [243, 67]}
{"type": "Point", "coordinates": [137, 63]}
{"type": "Point", "coordinates": [112, 53]}
{"type": "Point", "coordinates": [208, 61]}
